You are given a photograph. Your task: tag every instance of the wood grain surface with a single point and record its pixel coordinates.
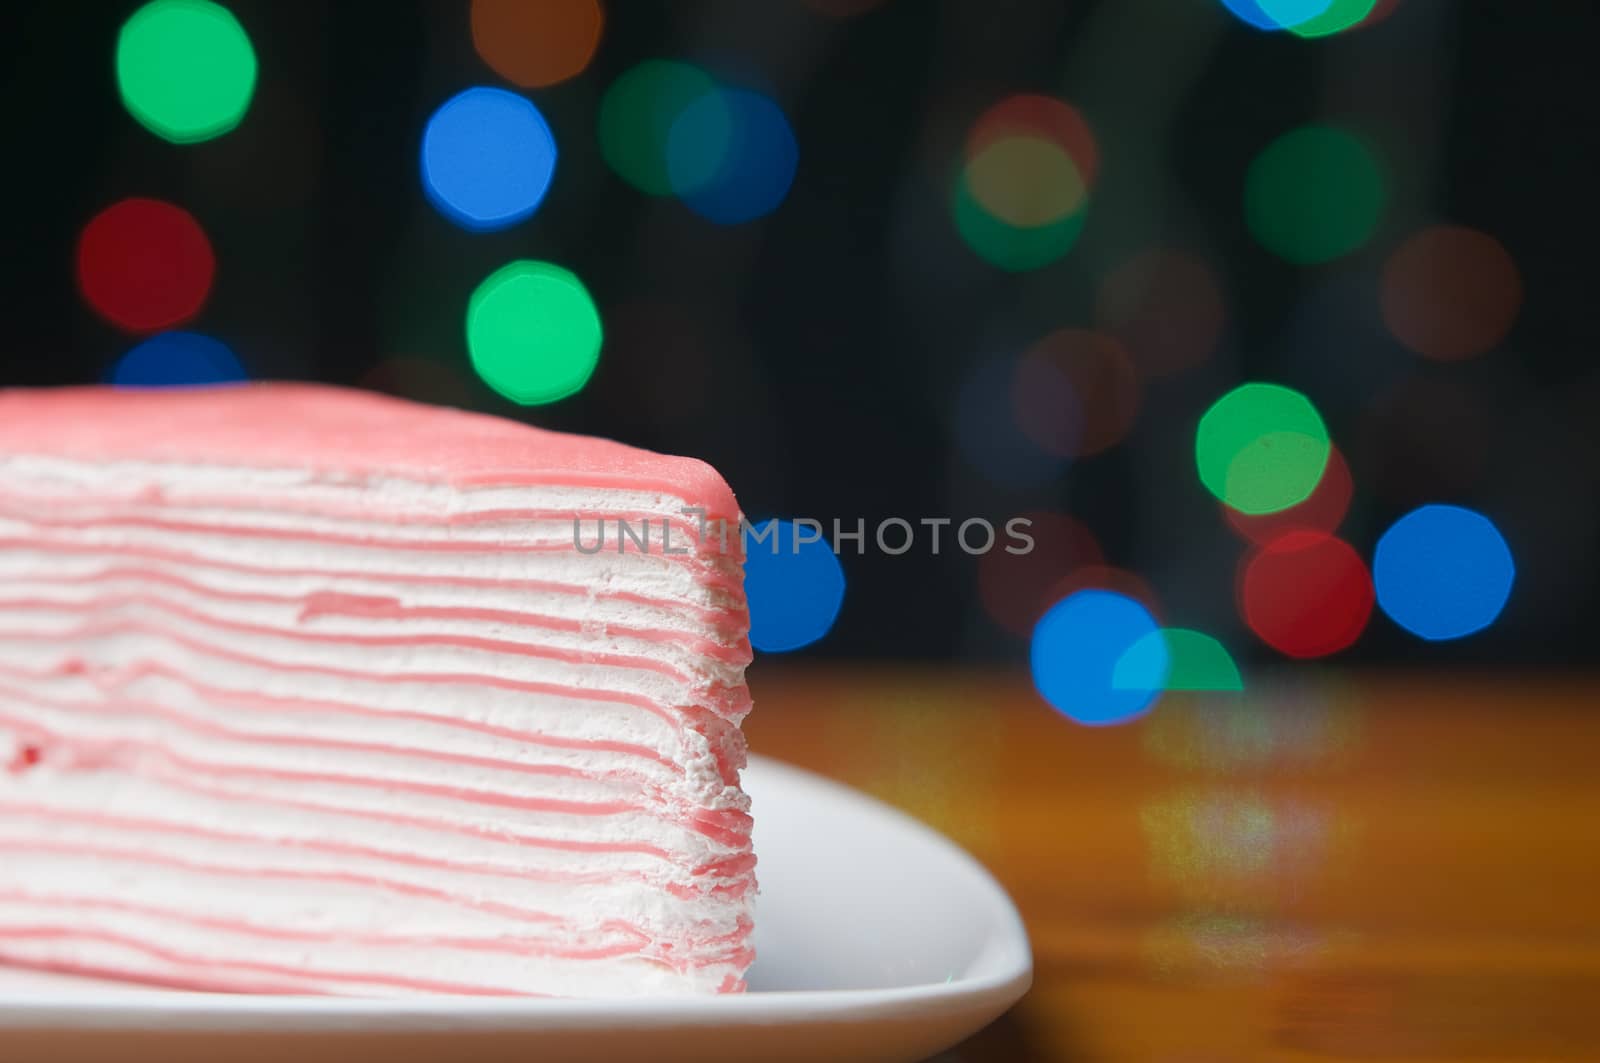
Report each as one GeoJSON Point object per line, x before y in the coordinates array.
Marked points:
{"type": "Point", "coordinates": [1327, 867]}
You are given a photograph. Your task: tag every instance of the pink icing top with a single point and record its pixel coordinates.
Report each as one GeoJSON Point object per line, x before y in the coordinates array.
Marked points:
{"type": "Point", "coordinates": [338, 431]}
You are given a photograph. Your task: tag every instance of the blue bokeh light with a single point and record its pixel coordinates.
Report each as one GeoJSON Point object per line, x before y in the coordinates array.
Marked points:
{"type": "Point", "coordinates": [1248, 12]}
{"type": "Point", "coordinates": [794, 588]}
{"type": "Point", "coordinates": [1276, 14]}
{"type": "Point", "coordinates": [1144, 665]}
{"type": "Point", "coordinates": [731, 156]}
{"type": "Point", "coordinates": [1443, 572]}
{"type": "Point", "coordinates": [488, 157]}
{"type": "Point", "coordinates": [176, 359]}
{"type": "Point", "coordinates": [1077, 648]}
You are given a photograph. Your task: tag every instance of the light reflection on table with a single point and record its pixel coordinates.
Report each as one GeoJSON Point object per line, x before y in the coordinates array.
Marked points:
{"type": "Point", "coordinates": [1396, 867]}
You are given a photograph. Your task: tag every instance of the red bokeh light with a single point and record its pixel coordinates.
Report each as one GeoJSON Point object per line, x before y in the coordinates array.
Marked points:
{"type": "Point", "coordinates": [1321, 512]}
{"type": "Point", "coordinates": [1027, 115]}
{"type": "Point", "coordinates": [537, 44]}
{"type": "Point", "coordinates": [1450, 292]}
{"type": "Point", "coordinates": [1075, 393]}
{"type": "Point", "coordinates": [1306, 594]}
{"type": "Point", "coordinates": [1105, 578]}
{"type": "Point", "coordinates": [1166, 307]}
{"type": "Point", "coordinates": [1016, 589]}
{"type": "Point", "coordinates": [145, 265]}
{"type": "Point", "coordinates": [1380, 11]}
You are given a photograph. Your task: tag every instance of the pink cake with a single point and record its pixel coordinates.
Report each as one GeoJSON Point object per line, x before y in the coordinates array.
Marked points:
{"type": "Point", "coordinates": [307, 690]}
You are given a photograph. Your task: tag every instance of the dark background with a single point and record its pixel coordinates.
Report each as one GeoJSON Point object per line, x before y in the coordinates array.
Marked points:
{"type": "Point", "coordinates": [814, 356]}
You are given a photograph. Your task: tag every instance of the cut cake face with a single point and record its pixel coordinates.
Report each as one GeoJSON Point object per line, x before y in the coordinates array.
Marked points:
{"type": "Point", "coordinates": [308, 690]}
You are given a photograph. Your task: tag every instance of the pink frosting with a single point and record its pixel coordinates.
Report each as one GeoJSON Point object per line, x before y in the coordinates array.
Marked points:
{"type": "Point", "coordinates": [339, 432]}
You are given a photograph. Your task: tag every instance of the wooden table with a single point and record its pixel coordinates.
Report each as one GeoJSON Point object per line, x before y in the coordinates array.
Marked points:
{"type": "Point", "coordinates": [1329, 867]}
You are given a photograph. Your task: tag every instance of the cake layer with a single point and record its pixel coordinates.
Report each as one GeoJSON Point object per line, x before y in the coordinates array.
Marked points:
{"type": "Point", "coordinates": [289, 702]}
{"type": "Point", "coordinates": [337, 436]}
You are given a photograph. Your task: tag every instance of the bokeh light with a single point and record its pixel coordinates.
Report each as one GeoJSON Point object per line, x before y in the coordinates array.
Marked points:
{"type": "Point", "coordinates": [1261, 448]}
{"type": "Point", "coordinates": [1077, 645]}
{"type": "Point", "coordinates": [536, 44]}
{"type": "Point", "coordinates": [1008, 246]}
{"type": "Point", "coordinates": [987, 434]}
{"type": "Point", "coordinates": [1308, 18]}
{"type": "Point", "coordinates": [1336, 16]}
{"type": "Point", "coordinates": [1020, 198]}
{"type": "Point", "coordinates": [731, 156]}
{"type": "Point", "coordinates": [488, 157]}
{"type": "Point", "coordinates": [1166, 307]}
{"type": "Point", "coordinates": [794, 585]}
{"type": "Point", "coordinates": [1016, 589]}
{"type": "Point", "coordinates": [1026, 182]}
{"type": "Point", "coordinates": [185, 69]}
{"type": "Point", "coordinates": [1450, 292]}
{"type": "Point", "coordinates": [1443, 572]}
{"type": "Point", "coordinates": [533, 332]}
{"type": "Point", "coordinates": [1380, 11]}
{"type": "Point", "coordinates": [1323, 511]}
{"type": "Point", "coordinates": [1250, 13]}
{"type": "Point", "coordinates": [1306, 594]}
{"type": "Point", "coordinates": [637, 115]}
{"type": "Point", "coordinates": [1028, 116]}
{"type": "Point", "coordinates": [175, 359]}
{"type": "Point", "coordinates": [1314, 194]}
{"type": "Point", "coordinates": [1195, 662]}
{"type": "Point", "coordinates": [1103, 577]}
{"type": "Point", "coordinates": [1076, 393]}
{"type": "Point", "coordinates": [144, 265]}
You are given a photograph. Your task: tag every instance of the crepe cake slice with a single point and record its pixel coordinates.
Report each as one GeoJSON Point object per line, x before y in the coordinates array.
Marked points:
{"type": "Point", "coordinates": [310, 690]}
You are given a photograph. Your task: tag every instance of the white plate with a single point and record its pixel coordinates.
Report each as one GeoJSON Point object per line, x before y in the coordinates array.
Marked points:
{"type": "Point", "coordinates": [877, 939]}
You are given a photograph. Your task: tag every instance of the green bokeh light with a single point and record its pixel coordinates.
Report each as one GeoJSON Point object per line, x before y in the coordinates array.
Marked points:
{"type": "Point", "coordinates": [533, 332]}
{"type": "Point", "coordinates": [185, 69]}
{"type": "Point", "coordinates": [636, 117]}
{"type": "Point", "coordinates": [1195, 661]}
{"type": "Point", "coordinates": [1339, 16]}
{"type": "Point", "coordinates": [1314, 194]}
{"type": "Point", "coordinates": [1011, 247]}
{"type": "Point", "coordinates": [1261, 448]}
